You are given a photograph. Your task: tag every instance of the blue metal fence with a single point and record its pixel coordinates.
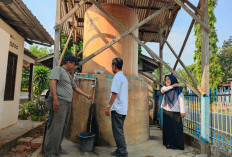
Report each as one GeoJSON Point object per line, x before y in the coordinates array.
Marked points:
{"type": "Point", "coordinates": [220, 117]}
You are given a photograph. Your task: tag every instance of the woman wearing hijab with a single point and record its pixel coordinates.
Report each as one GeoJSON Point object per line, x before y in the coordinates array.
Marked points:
{"type": "Point", "coordinates": [173, 112]}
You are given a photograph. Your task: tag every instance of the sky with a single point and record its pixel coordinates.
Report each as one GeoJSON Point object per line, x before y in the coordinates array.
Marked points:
{"type": "Point", "coordinates": [45, 11]}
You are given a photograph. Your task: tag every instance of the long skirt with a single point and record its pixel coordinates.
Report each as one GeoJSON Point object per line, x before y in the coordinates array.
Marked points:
{"type": "Point", "coordinates": [173, 130]}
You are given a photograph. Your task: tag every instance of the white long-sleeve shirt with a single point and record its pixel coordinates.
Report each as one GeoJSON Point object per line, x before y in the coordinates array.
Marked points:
{"type": "Point", "coordinates": [179, 106]}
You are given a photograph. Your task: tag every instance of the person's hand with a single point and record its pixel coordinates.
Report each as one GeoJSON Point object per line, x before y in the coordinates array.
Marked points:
{"type": "Point", "coordinates": [182, 115]}
{"type": "Point", "coordinates": [176, 85]}
{"type": "Point", "coordinates": [56, 104]}
{"type": "Point", "coordinates": [107, 112]}
{"type": "Point", "coordinates": [89, 97]}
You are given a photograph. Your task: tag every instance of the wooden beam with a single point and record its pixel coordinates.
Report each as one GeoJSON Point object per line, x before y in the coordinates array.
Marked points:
{"type": "Point", "coordinates": [185, 68]}
{"type": "Point", "coordinates": [142, 7]}
{"type": "Point", "coordinates": [192, 6]}
{"type": "Point", "coordinates": [148, 75]}
{"type": "Point", "coordinates": [65, 47]}
{"type": "Point", "coordinates": [161, 45]}
{"type": "Point", "coordinates": [57, 35]}
{"type": "Point", "coordinates": [180, 3]}
{"type": "Point", "coordinates": [152, 54]}
{"type": "Point", "coordinates": [79, 53]}
{"type": "Point", "coordinates": [186, 39]}
{"type": "Point", "coordinates": [70, 13]}
{"type": "Point", "coordinates": [125, 33]}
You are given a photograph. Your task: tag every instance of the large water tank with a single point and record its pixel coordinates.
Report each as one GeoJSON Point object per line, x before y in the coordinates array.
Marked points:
{"type": "Point", "coordinates": [99, 30]}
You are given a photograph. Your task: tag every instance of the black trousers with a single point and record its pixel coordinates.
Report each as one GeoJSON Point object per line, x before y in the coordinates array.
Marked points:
{"type": "Point", "coordinates": [173, 136]}
{"type": "Point", "coordinates": [117, 127]}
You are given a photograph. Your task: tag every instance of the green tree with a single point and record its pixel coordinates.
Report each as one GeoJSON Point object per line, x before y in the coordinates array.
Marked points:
{"type": "Point", "coordinates": [184, 75]}
{"type": "Point", "coordinates": [41, 80]}
{"type": "Point", "coordinates": [225, 59]}
{"type": "Point", "coordinates": [40, 51]}
{"type": "Point", "coordinates": [25, 78]}
{"type": "Point", "coordinates": [39, 70]}
{"type": "Point", "coordinates": [215, 70]}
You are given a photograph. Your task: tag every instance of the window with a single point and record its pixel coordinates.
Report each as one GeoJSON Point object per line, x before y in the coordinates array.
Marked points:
{"type": "Point", "coordinates": [10, 77]}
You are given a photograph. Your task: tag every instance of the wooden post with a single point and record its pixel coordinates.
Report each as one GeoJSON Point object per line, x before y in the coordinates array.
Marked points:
{"type": "Point", "coordinates": [205, 138]}
{"type": "Point", "coordinates": [57, 35]}
{"type": "Point", "coordinates": [161, 46]}
{"type": "Point", "coordinates": [31, 82]}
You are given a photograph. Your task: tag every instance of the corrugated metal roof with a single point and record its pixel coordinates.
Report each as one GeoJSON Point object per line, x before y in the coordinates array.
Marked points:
{"type": "Point", "coordinates": [19, 17]}
{"type": "Point", "coordinates": [144, 8]}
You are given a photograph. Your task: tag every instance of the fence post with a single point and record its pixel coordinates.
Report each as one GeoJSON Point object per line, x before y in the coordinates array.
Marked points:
{"type": "Point", "coordinates": [230, 80]}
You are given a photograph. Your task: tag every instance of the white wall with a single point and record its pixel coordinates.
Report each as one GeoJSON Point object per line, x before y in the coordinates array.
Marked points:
{"type": "Point", "coordinates": [9, 109]}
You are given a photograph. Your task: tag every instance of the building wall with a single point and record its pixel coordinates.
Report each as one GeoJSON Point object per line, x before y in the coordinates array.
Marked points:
{"type": "Point", "coordinates": [11, 41]}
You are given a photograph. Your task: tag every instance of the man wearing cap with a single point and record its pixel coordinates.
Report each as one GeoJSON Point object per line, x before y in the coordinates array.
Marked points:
{"type": "Point", "coordinates": [118, 106]}
{"type": "Point", "coordinates": [59, 103]}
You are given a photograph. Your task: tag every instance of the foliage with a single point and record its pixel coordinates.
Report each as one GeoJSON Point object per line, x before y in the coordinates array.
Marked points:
{"type": "Point", "coordinates": [40, 51]}
{"type": "Point", "coordinates": [69, 50]}
{"type": "Point", "coordinates": [41, 80]}
{"type": "Point", "coordinates": [25, 78]}
{"type": "Point", "coordinates": [39, 109]}
{"type": "Point", "coordinates": [184, 75]}
{"type": "Point", "coordinates": [24, 112]}
{"type": "Point", "coordinates": [225, 59]}
{"type": "Point", "coordinates": [139, 53]}
{"type": "Point", "coordinates": [215, 70]}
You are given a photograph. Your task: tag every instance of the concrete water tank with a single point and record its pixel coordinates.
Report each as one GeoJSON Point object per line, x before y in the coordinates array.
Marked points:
{"type": "Point", "coordinates": [136, 126]}
{"type": "Point", "coordinates": [99, 30]}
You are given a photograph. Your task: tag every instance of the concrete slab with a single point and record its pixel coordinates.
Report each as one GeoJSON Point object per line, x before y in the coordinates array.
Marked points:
{"type": "Point", "coordinates": [15, 131]}
{"type": "Point", "coordinates": [151, 148]}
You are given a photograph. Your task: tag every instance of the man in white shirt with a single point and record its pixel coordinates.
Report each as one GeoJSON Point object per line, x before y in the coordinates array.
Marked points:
{"type": "Point", "coordinates": [118, 107]}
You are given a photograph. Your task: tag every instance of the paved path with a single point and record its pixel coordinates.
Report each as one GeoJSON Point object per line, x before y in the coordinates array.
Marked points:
{"type": "Point", "coordinates": [151, 148]}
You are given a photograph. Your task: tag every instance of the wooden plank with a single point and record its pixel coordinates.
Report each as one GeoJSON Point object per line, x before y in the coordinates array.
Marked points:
{"type": "Point", "coordinates": [180, 3]}
{"type": "Point", "coordinates": [184, 43]}
{"type": "Point", "coordinates": [161, 46]}
{"type": "Point", "coordinates": [125, 33]}
{"type": "Point", "coordinates": [148, 75]}
{"type": "Point", "coordinates": [192, 6]}
{"type": "Point", "coordinates": [79, 53]}
{"type": "Point", "coordinates": [185, 68]}
{"type": "Point", "coordinates": [186, 39]}
{"type": "Point", "coordinates": [65, 47]}
{"type": "Point", "coordinates": [70, 13]}
{"type": "Point", "coordinates": [152, 54]}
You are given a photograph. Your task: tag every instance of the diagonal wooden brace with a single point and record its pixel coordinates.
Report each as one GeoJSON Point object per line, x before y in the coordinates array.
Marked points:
{"type": "Point", "coordinates": [69, 14]}
{"type": "Point", "coordinates": [194, 16]}
{"type": "Point", "coordinates": [125, 33]}
{"type": "Point", "coordinates": [152, 54]}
